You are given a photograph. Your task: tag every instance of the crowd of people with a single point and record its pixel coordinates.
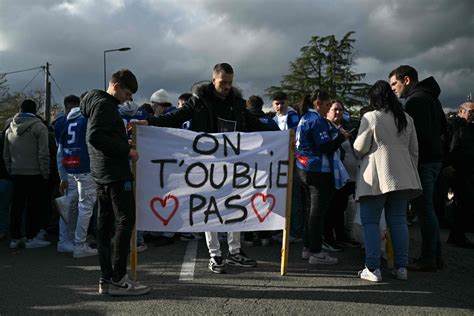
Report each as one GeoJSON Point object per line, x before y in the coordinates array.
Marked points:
{"type": "Point", "coordinates": [395, 160]}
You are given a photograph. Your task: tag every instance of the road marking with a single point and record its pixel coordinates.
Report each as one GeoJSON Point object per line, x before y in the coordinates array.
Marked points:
{"type": "Point", "coordinates": [189, 262]}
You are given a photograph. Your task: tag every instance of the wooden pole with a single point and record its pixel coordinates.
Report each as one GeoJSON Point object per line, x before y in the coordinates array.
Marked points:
{"type": "Point", "coordinates": [133, 240]}
{"type": "Point", "coordinates": [47, 95]}
{"type": "Point", "coordinates": [285, 247]}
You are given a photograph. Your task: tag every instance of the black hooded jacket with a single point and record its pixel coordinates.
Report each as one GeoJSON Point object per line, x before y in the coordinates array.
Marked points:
{"type": "Point", "coordinates": [107, 141]}
{"type": "Point", "coordinates": [205, 108]}
{"type": "Point", "coordinates": [423, 106]}
{"type": "Point", "coordinates": [461, 145]}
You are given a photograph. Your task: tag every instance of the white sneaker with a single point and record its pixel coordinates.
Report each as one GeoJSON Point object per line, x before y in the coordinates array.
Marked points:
{"type": "Point", "coordinates": [17, 243]}
{"type": "Point", "coordinates": [322, 258]}
{"type": "Point", "coordinates": [84, 251]}
{"type": "Point", "coordinates": [42, 234]}
{"type": "Point", "coordinates": [36, 243]}
{"type": "Point", "coordinates": [66, 246]}
{"type": "Point", "coordinates": [374, 276]}
{"type": "Point", "coordinates": [400, 273]}
{"type": "Point", "coordinates": [127, 287]}
{"type": "Point", "coordinates": [142, 247]}
{"type": "Point", "coordinates": [305, 254]}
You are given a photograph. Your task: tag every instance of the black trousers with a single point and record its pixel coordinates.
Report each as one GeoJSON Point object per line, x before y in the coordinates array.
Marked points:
{"type": "Point", "coordinates": [318, 191]}
{"type": "Point", "coordinates": [116, 206]}
{"type": "Point", "coordinates": [463, 214]}
{"type": "Point", "coordinates": [334, 225]}
{"type": "Point", "coordinates": [27, 193]}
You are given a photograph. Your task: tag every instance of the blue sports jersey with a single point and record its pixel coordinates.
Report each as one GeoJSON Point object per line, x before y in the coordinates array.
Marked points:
{"type": "Point", "coordinates": [314, 130]}
{"type": "Point", "coordinates": [129, 112]}
{"type": "Point", "coordinates": [58, 126]}
{"type": "Point", "coordinates": [75, 157]}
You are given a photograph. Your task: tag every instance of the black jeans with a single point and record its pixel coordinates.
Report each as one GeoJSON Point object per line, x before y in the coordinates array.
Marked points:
{"type": "Point", "coordinates": [334, 223]}
{"type": "Point", "coordinates": [463, 214]}
{"type": "Point", "coordinates": [116, 205]}
{"type": "Point", "coordinates": [318, 190]}
{"type": "Point", "coordinates": [27, 193]}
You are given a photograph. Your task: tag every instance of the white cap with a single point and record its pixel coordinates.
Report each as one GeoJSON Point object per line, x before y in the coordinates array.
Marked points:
{"type": "Point", "coordinates": [160, 96]}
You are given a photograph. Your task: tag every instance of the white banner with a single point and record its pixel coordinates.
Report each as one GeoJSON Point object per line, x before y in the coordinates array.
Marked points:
{"type": "Point", "coordinates": [195, 182]}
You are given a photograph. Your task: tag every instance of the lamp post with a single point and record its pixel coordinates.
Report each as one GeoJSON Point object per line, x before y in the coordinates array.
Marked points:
{"type": "Point", "coordinates": [105, 63]}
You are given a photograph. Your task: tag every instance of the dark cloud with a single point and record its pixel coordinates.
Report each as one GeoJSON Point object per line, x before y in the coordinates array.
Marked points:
{"type": "Point", "coordinates": [175, 44]}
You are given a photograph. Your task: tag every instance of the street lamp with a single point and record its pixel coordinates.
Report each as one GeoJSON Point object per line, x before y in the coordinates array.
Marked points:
{"type": "Point", "coordinates": [105, 63]}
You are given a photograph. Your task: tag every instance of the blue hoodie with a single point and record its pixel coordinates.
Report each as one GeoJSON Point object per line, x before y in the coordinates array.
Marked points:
{"type": "Point", "coordinates": [292, 119]}
{"type": "Point", "coordinates": [73, 157]}
{"type": "Point", "coordinates": [130, 112]}
{"type": "Point", "coordinates": [316, 142]}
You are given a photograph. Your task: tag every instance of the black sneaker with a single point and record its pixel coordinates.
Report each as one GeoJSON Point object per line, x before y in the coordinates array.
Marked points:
{"type": "Point", "coordinates": [348, 243]}
{"type": "Point", "coordinates": [240, 259]}
{"type": "Point", "coordinates": [331, 246]}
{"type": "Point", "coordinates": [163, 241]}
{"type": "Point", "coordinates": [217, 265]}
{"type": "Point", "coordinates": [186, 237]}
{"type": "Point", "coordinates": [104, 285]}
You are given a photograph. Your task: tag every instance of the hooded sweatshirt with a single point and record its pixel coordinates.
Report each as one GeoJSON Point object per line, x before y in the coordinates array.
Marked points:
{"type": "Point", "coordinates": [107, 141]}
{"type": "Point", "coordinates": [423, 106]}
{"type": "Point", "coordinates": [288, 120]}
{"type": "Point", "coordinates": [130, 112]}
{"type": "Point", "coordinates": [26, 150]}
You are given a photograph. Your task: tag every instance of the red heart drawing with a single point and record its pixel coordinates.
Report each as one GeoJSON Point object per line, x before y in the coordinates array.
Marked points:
{"type": "Point", "coordinates": [163, 203]}
{"type": "Point", "coordinates": [264, 197]}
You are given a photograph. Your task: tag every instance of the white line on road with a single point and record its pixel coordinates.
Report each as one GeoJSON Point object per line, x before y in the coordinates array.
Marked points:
{"type": "Point", "coordinates": [189, 261]}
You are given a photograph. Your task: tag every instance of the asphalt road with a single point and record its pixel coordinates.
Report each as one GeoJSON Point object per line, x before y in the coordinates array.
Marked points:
{"type": "Point", "coordinates": [41, 281]}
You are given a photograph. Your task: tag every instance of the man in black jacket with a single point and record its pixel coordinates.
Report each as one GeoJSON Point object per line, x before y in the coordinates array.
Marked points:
{"type": "Point", "coordinates": [109, 153]}
{"type": "Point", "coordinates": [460, 160]}
{"type": "Point", "coordinates": [423, 106]}
{"type": "Point", "coordinates": [216, 107]}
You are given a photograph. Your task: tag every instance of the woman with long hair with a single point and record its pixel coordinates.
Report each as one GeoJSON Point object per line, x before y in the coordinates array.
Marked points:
{"type": "Point", "coordinates": [387, 179]}
{"type": "Point", "coordinates": [320, 169]}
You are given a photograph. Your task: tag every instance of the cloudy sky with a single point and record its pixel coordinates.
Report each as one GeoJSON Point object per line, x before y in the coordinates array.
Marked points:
{"type": "Point", "coordinates": [176, 43]}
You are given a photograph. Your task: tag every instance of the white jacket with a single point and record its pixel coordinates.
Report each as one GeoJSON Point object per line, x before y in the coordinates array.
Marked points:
{"type": "Point", "coordinates": [388, 160]}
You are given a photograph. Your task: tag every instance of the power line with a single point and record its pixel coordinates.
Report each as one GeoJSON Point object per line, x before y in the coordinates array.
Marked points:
{"type": "Point", "coordinates": [24, 70]}
{"type": "Point", "coordinates": [55, 83]}
{"type": "Point", "coordinates": [31, 80]}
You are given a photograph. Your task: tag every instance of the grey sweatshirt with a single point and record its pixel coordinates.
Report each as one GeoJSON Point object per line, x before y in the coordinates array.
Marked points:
{"type": "Point", "coordinates": [26, 150]}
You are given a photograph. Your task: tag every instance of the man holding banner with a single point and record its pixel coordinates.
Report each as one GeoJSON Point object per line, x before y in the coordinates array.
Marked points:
{"type": "Point", "coordinates": [216, 107]}
{"type": "Point", "coordinates": [109, 153]}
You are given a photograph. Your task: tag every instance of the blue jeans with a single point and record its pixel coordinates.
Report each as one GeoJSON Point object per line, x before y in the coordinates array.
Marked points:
{"type": "Point", "coordinates": [424, 207]}
{"type": "Point", "coordinates": [6, 195]}
{"type": "Point", "coordinates": [395, 205]}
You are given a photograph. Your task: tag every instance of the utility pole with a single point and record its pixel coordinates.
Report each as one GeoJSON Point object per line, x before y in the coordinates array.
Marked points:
{"type": "Point", "coordinates": [47, 95]}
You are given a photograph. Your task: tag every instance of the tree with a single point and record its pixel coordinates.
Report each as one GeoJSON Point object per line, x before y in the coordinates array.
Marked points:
{"type": "Point", "coordinates": [326, 64]}
{"type": "Point", "coordinates": [10, 104]}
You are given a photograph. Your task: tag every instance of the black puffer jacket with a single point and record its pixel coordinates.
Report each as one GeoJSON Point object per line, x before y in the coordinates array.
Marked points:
{"type": "Point", "coordinates": [106, 138]}
{"type": "Point", "coordinates": [423, 106]}
{"type": "Point", "coordinates": [205, 107]}
{"type": "Point", "coordinates": [461, 145]}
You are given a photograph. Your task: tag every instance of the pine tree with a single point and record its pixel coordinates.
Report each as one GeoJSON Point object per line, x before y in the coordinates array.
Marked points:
{"type": "Point", "coordinates": [327, 64]}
